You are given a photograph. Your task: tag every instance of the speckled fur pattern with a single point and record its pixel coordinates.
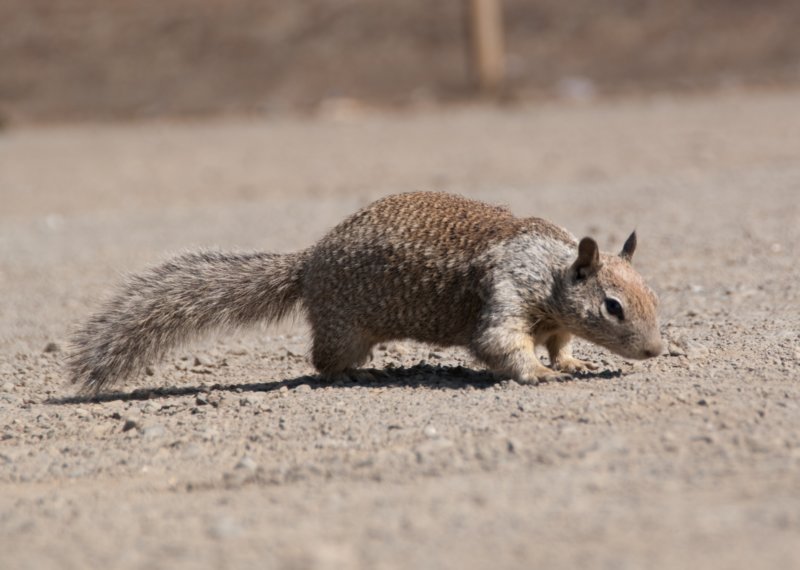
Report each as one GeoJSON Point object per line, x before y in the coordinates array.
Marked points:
{"type": "Point", "coordinates": [182, 298]}
{"type": "Point", "coordinates": [431, 267]}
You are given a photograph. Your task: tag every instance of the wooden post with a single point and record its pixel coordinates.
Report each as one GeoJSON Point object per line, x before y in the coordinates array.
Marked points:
{"type": "Point", "coordinates": [486, 44]}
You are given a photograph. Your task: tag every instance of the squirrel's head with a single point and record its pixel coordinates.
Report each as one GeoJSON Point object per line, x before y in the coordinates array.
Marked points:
{"type": "Point", "coordinates": [609, 303]}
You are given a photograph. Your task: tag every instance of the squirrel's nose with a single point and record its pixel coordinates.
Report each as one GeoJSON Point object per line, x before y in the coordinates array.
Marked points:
{"type": "Point", "coordinates": [653, 349]}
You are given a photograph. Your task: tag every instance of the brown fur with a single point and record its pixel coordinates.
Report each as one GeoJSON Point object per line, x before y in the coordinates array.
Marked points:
{"type": "Point", "coordinates": [431, 267]}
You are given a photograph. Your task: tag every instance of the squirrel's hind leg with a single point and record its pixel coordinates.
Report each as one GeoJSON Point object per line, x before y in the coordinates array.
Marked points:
{"type": "Point", "coordinates": [337, 351]}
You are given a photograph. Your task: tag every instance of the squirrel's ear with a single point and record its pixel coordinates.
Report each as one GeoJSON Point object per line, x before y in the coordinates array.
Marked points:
{"type": "Point", "coordinates": [588, 261]}
{"type": "Point", "coordinates": [629, 247]}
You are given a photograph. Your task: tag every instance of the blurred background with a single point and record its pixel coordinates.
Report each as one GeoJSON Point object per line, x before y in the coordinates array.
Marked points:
{"type": "Point", "coordinates": [120, 59]}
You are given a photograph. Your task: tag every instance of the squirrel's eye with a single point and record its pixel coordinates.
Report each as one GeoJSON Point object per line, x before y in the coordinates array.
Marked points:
{"type": "Point", "coordinates": [614, 308]}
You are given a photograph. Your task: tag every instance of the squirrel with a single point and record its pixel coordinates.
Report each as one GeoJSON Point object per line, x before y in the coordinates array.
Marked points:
{"type": "Point", "coordinates": [431, 267]}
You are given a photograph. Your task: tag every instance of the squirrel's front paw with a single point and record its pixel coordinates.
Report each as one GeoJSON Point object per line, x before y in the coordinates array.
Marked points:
{"type": "Point", "coordinates": [543, 375]}
{"type": "Point", "coordinates": [574, 365]}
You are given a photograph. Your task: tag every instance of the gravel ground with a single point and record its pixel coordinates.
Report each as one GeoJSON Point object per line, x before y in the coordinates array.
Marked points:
{"type": "Point", "coordinates": [231, 453]}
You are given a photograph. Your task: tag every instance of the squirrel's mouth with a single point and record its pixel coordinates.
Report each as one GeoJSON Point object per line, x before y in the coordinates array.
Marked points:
{"type": "Point", "coordinates": [650, 349]}
{"type": "Point", "coordinates": [651, 353]}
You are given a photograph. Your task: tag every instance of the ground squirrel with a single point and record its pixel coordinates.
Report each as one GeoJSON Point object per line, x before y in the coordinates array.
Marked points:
{"type": "Point", "coordinates": [432, 267]}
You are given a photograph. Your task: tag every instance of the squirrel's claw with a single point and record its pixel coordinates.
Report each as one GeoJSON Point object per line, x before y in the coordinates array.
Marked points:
{"type": "Point", "coordinates": [544, 375]}
{"type": "Point", "coordinates": [574, 365]}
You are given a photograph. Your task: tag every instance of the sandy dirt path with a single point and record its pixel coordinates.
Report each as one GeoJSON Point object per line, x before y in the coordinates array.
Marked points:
{"type": "Point", "coordinates": [230, 454]}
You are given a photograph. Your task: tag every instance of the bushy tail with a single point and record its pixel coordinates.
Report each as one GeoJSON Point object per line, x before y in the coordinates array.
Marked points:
{"type": "Point", "coordinates": [188, 295]}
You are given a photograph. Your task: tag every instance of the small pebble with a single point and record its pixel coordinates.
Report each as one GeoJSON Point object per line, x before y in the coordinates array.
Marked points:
{"type": "Point", "coordinates": [224, 528]}
{"type": "Point", "coordinates": [247, 462]}
{"type": "Point", "coordinates": [210, 434]}
{"type": "Point", "coordinates": [153, 431]}
{"type": "Point", "coordinates": [150, 407]}
{"type": "Point", "coordinates": [695, 351]}
{"type": "Point", "coordinates": [669, 441]}
{"type": "Point", "coordinates": [675, 350]}
{"type": "Point", "coordinates": [249, 401]}
{"type": "Point", "coordinates": [202, 360]}
{"type": "Point", "coordinates": [684, 346]}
